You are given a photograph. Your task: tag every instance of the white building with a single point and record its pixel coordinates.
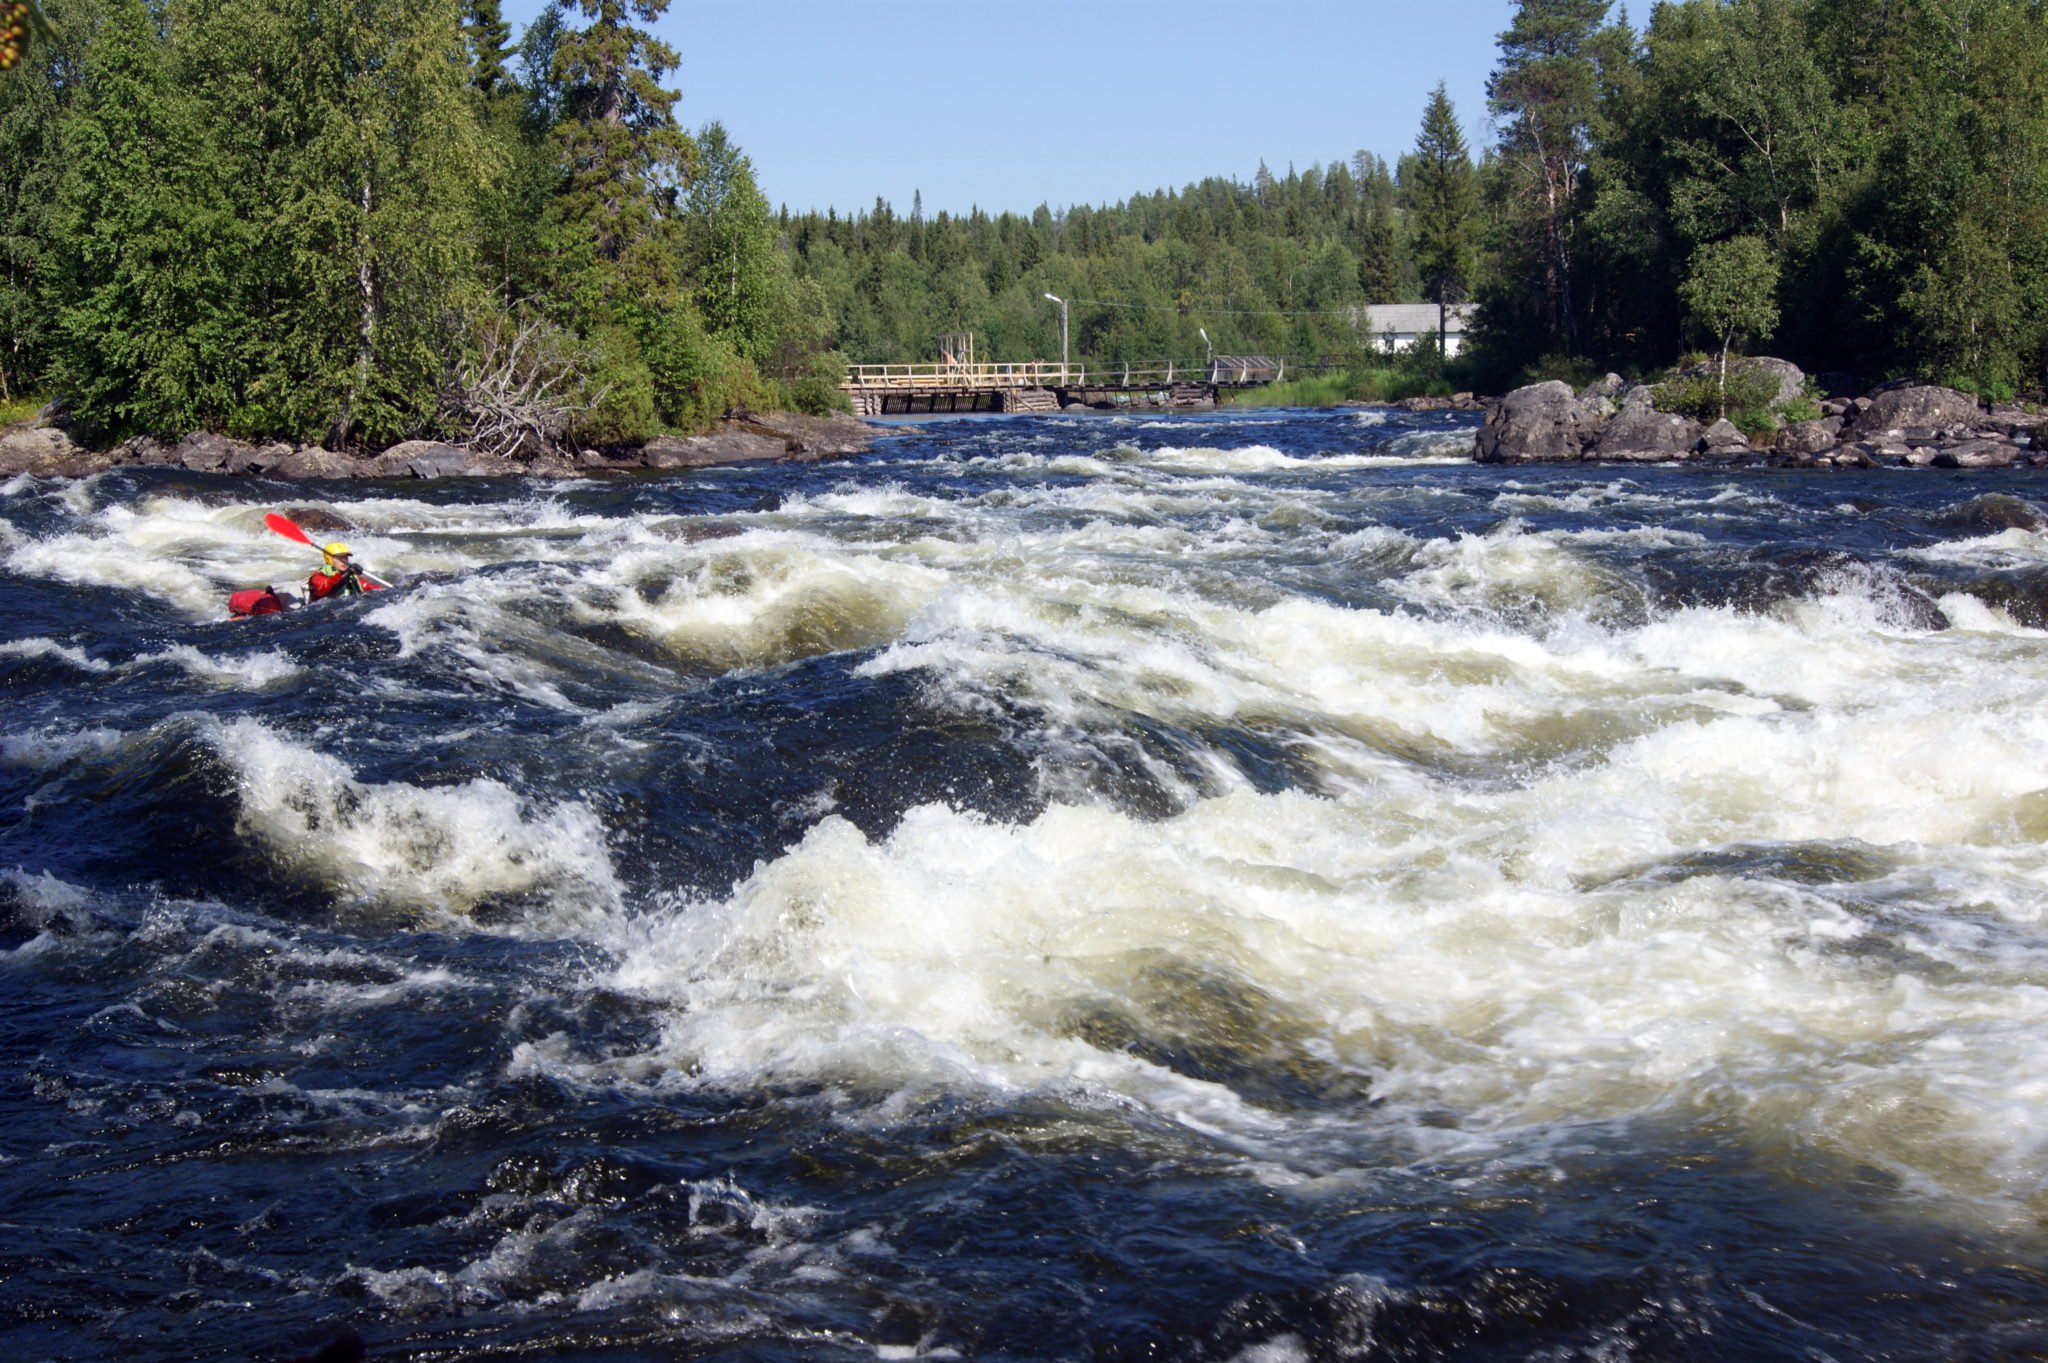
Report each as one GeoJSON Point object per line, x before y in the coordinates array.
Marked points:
{"type": "Point", "coordinates": [1396, 326]}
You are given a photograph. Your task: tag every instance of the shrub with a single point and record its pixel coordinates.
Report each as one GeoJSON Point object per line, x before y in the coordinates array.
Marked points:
{"type": "Point", "coordinates": [1696, 393]}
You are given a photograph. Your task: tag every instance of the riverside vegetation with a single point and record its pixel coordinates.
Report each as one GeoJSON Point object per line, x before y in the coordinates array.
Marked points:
{"type": "Point", "coordinates": [213, 217]}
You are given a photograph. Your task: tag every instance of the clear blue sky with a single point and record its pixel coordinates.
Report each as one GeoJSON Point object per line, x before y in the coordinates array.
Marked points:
{"type": "Point", "coordinates": [1007, 106]}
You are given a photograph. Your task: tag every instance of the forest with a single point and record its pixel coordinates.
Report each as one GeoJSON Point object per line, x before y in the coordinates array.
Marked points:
{"type": "Point", "coordinates": [360, 223]}
{"type": "Point", "coordinates": [365, 223]}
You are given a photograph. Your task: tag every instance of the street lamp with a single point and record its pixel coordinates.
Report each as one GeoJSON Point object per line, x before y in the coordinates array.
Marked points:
{"type": "Point", "coordinates": [1053, 297]}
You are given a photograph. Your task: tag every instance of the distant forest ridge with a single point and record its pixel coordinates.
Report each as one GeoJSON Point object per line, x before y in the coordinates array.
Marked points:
{"type": "Point", "coordinates": [364, 223]}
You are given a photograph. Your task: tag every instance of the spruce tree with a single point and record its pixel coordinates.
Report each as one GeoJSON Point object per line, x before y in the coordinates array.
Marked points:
{"type": "Point", "coordinates": [346, 136]}
{"type": "Point", "coordinates": [624, 156]}
{"type": "Point", "coordinates": [730, 252]}
{"type": "Point", "coordinates": [143, 316]}
{"type": "Point", "coordinates": [1446, 207]}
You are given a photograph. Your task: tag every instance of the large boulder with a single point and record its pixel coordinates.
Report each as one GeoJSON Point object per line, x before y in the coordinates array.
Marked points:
{"type": "Point", "coordinates": [1809, 437]}
{"type": "Point", "coordinates": [209, 452]}
{"type": "Point", "coordinates": [1789, 377]}
{"type": "Point", "coordinates": [44, 451]}
{"type": "Point", "coordinates": [1976, 454]}
{"type": "Point", "coordinates": [1914, 407]}
{"type": "Point", "coordinates": [704, 451]}
{"type": "Point", "coordinates": [809, 438]}
{"type": "Point", "coordinates": [311, 461]}
{"type": "Point", "coordinates": [1723, 440]}
{"type": "Point", "coordinates": [1542, 422]}
{"type": "Point", "coordinates": [1641, 432]}
{"type": "Point", "coordinates": [420, 459]}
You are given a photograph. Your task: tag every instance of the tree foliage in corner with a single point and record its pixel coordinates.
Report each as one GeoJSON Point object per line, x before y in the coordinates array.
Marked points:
{"type": "Point", "coordinates": [268, 219]}
{"type": "Point", "coordinates": [1890, 160]}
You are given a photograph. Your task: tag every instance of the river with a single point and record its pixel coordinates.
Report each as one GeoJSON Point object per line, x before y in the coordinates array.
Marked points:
{"type": "Point", "coordinates": [1248, 886]}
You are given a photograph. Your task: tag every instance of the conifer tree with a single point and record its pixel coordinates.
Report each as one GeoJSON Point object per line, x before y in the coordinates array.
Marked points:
{"type": "Point", "coordinates": [490, 41]}
{"type": "Point", "coordinates": [143, 318]}
{"type": "Point", "coordinates": [1446, 206]}
{"type": "Point", "coordinates": [625, 158]}
{"type": "Point", "coordinates": [1544, 90]}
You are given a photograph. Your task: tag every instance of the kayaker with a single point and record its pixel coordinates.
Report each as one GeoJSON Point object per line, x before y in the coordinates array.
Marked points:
{"type": "Point", "coordinates": [337, 575]}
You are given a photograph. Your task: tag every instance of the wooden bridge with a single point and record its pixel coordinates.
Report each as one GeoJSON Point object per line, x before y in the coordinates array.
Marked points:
{"type": "Point", "coordinates": [1048, 386]}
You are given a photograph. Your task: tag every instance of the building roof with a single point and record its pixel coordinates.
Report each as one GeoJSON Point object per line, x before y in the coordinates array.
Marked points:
{"type": "Point", "coordinates": [1379, 318]}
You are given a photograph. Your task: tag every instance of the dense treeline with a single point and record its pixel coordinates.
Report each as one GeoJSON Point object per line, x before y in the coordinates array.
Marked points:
{"type": "Point", "coordinates": [1869, 177]}
{"type": "Point", "coordinates": [370, 221]}
{"type": "Point", "coordinates": [1274, 267]}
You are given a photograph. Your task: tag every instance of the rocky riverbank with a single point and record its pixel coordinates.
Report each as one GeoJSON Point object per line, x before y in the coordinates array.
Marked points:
{"type": "Point", "coordinates": [48, 450]}
{"type": "Point", "coordinates": [1903, 424]}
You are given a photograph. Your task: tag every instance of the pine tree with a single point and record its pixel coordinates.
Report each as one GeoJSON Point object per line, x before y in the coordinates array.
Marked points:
{"type": "Point", "coordinates": [1544, 90]}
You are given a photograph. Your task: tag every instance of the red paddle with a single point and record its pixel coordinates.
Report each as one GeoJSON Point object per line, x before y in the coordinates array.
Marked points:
{"type": "Point", "coordinates": [289, 528]}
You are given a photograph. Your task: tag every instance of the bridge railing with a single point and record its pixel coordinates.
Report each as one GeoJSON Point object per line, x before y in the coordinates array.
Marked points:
{"type": "Point", "coordinates": [943, 376]}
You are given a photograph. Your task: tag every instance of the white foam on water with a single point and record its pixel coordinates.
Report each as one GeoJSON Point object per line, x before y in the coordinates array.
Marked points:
{"type": "Point", "coordinates": [248, 671]}
{"type": "Point", "coordinates": [1471, 916]}
{"type": "Point", "coordinates": [49, 648]}
{"type": "Point", "coordinates": [53, 747]}
{"type": "Point", "coordinates": [401, 847]}
{"type": "Point", "coordinates": [2010, 547]}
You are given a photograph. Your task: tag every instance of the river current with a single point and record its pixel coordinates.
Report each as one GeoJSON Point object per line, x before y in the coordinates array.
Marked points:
{"type": "Point", "coordinates": [1252, 887]}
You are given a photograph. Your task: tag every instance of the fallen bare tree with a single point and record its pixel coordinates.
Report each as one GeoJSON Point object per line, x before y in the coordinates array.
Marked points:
{"type": "Point", "coordinates": [516, 394]}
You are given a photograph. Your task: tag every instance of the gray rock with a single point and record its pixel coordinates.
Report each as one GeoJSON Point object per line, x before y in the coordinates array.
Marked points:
{"type": "Point", "coordinates": [1976, 454]}
{"type": "Point", "coordinates": [311, 461]}
{"type": "Point", "coordinates": [1809, 437]}
{"type": "Point", "coordinates": [421, 459]}
{"type": "Point", "coordinates": [208, 452]}
{"type": "Point", "coordinates": [1610, 387]}
{"type": "Point", "coordinates": [42, 450]}
{"type": "Point", "coordinates": [1540, 422]}
{"type": "Point", "coordinates": [1639, 432]}
{"type": "Point", "coordinates": [1914, 406]}
{"type": "Point", "coordinates": [1723, 437]}
{"type": "Point", "coordinates": [704, 451]}
{"type": "Point", "coordinates": [144, 449]}
{"type": "Point", "coordinates": [1790, 378]}
{"type": "Point", "coordinates": [811, 438]}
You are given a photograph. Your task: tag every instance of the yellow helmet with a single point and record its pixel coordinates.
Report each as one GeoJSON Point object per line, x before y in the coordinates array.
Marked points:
{"type": "Point", "coordinates": [335, 552]}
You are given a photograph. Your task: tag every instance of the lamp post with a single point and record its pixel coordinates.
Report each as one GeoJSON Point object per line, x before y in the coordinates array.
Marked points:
{"type": "Point", "coordinates": [1055, 298]}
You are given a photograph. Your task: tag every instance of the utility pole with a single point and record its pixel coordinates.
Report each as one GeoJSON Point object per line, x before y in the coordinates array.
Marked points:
{"type": "Point", "coordinates": [1063, 335]}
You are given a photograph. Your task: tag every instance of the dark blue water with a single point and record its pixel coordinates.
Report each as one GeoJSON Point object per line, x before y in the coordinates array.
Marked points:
{"type": "Point", "coordinates": [1239, 887]}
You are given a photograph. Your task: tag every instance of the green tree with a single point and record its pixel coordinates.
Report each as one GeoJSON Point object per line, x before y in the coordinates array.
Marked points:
{"type": "Point", "coordinates": [624, 156]}
{"type": "Point", "coordinates": [729, 248]}
{"type": "Point", "coordinates": [143, 319]}
{"type": "Point", "coordinates": [1445, 195]}
{"type": "Point", "coordinates": [1545, 91]}
{"type": "Point", "coordinates": [1731, 292]}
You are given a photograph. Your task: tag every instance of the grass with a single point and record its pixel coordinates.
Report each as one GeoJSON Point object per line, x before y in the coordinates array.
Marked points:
{"type": "Point", "coordinates": [15, 410]}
